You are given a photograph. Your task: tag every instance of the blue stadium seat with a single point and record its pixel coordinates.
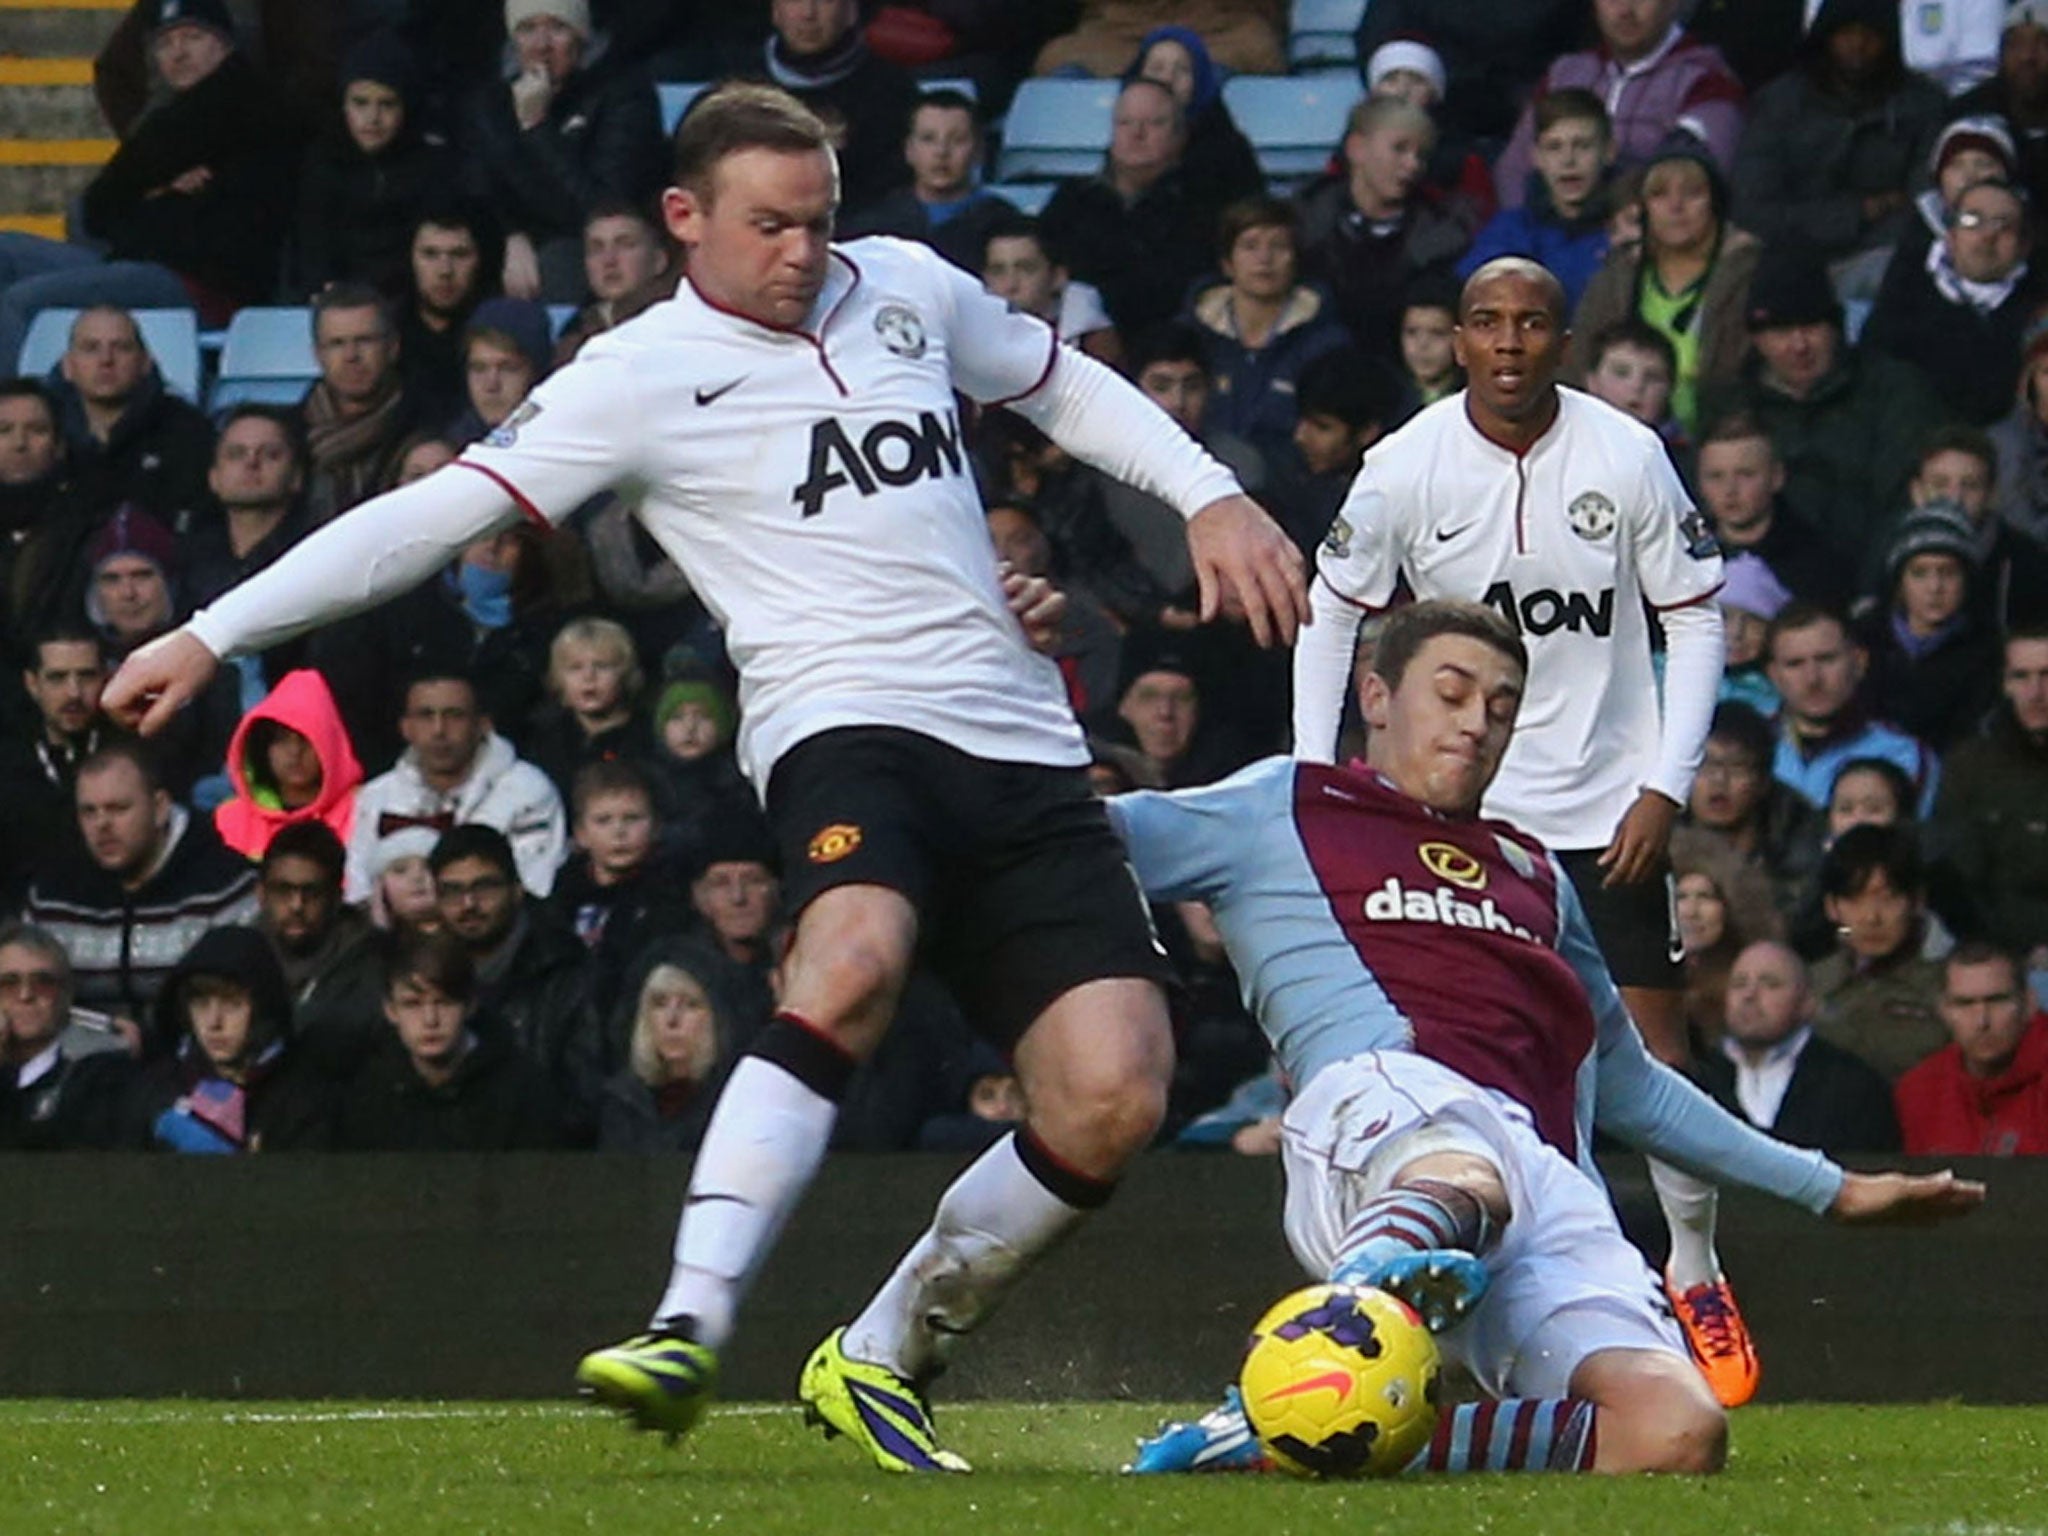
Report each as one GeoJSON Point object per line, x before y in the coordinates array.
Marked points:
{"type": "Point", "coordinates": [675, 97]}
{"type": "Point", "coordinates": [1322, 34]}
{"type": "Point", "coordinates": [1294, 122]}
{"type": "Point", "coordinates": [1024, 196]}
{"type": "Point", "coordinates": [267, 359]}
{"type": "Point", "coordinates": [172, 336]}
{"type": "Point", "coordinates": [1056, 128]}
{"type": "Point", "coordinates": [559, 316]}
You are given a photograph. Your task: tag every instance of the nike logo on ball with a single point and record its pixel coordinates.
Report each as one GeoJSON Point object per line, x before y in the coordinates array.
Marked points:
{"type": "Point", "coordinates": [706, 396]}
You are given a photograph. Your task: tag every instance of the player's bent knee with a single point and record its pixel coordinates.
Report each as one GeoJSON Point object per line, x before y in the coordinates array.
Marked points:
{"type": "Point", "coordinates": [1689, 1440]}
{"type": "Point", "coordinates": [1656, 1414]}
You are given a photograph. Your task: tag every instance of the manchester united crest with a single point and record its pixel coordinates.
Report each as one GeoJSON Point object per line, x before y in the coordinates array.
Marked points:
{"type": "Point", "coordinates": [901, 330]}
{"type": "Point", "coordinates": [1591, 515]}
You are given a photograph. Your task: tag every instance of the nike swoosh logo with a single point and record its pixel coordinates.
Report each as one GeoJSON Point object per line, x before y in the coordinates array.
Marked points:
{"type": "Point", "coordinates": [1445, 535]}
{"type": "Point", "coordinates": [707, 396]}
{"type": "Point", "coordinates": [1334, 1381]}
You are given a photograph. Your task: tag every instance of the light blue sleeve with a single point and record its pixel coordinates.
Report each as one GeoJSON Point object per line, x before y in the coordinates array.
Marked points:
{"type": "Point", "coordinates": [1189, 844]}
{"type": "Point", "coordinates": [1644, 1103]}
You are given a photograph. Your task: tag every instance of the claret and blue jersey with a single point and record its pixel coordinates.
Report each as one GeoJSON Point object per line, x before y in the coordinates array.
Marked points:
{"type": "Point", "coordinates": [1360, 920]}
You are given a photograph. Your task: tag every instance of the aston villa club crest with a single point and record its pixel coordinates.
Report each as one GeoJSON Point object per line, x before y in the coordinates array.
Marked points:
{"type": "Point", "coordinates": [1592, 516]}
{"type": "Point", "coordinates": [901, 330]}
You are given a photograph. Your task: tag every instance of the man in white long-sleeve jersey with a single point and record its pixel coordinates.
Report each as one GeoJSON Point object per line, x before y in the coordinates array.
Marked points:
{"type": "Point", "coordinates": [1565, 516]}
{"type": "Point", "coordinates": [788, 423]}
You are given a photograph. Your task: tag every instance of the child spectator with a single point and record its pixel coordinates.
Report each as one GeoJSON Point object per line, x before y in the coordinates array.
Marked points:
{"type": "Point", "coordinates": [697, 777]}
{"type": "Point", "coordinates": [1347, 401]}
{"type": "Point", "coordinates": [290, 760]}
{"type": "Point", "coordinates": [1741, 481]}
{"type": "Point", "coordinates": [1366, 232]}
{"type": "Point", "coordinates": [1016, 266]}
{"type": "Point", "coordinates": [990, 1104]}
{"type": "Point", "coordinates": [232, 1084]}
{"type": "Point", "coordinates": [1631, 368]}
{"type": "Point", "coordinates": [1750, 597]}
{"type": "Point", "coordinates": [1688, 278]}
{"type": "Point", "coordinates": [678, 1051]}
{"type": "Point", "coordinates": [616, 893]}
{"type": "Point", "coordinates": [402, 893]}
{"type": "Point", "coordinates": [1563, 220]}
{"type": "Point", "coordinates": [1261, 326]}
{"type": "Point", "coordinates": [1429, 362]}
{"type": "Point", "coordinates": [1458, 179]}
{"type": "Point", "coordinates": [1933, 667]}
{"type": "Point", "coordinates": [366, 180]}
{"type": "Point", "coordinates": [449, 1087]}
{"type": "Point", "coordinates": [595, 681]}
{"type": "Point", "coordinates": [506, 350]}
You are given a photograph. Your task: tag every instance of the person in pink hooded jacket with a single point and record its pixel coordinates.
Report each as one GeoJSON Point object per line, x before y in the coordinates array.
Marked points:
{"type": "Point", "coordinates": [290, 760]}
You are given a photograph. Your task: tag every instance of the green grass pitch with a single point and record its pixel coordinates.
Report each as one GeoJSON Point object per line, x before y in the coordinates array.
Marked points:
{"type": "Point", "coordinates": [420, 1469]}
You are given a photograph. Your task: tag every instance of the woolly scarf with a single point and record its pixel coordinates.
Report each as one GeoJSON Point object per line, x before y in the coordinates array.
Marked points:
{"type": "Point", "coordinates": [351, 450]}
{"type": "Point", "coordinates": [813, 71]}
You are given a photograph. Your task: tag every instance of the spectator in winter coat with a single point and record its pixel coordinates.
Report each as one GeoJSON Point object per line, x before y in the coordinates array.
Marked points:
{"type": "Point", "coordinates": [130, 441]}
{"type": "Point", "coordinates": [1656, 80]}
{"type": "Point", "coordinates": [1991, 817]}
{"type": "Point", "coordinates": [457, 769]}
{"type": "Point", "coordinates": [447, 1084]}
{"type": "Point", "coordinates": [561, 131]}
{"type": "Point", "coordinates": [233, 1082]}
{"type": "Point", "coordinates": [53, 1098]}
{"type": "Point", "coordinates": [1985, 1093]}
{"type": "Point", "coordinates": [366, 179]}
{"type": "Point", "coordinates": [678, 1052]}
{"type": "Point", "coordinates": [290, 760]}
{"type": "Point", "coordinates": [152, 879]}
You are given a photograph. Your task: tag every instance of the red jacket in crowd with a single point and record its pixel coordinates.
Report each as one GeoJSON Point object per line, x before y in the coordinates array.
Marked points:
{"type": "Point", "coordinates": [1945, 1112]}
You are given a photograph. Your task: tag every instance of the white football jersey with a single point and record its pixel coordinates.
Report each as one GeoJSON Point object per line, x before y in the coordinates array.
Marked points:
{"type": "Point", "coordinates": [815, 488]}
{"type": "Point", "coordinates": [1566, 541]}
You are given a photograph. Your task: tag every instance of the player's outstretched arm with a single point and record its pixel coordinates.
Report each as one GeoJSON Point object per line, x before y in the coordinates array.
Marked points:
{"type": "Point", "coordinates": [1904, 1199]}
{"type": "Point", "coordinates": [1242, 559]}
{"type": "Point", "coordinates": [374, 552]}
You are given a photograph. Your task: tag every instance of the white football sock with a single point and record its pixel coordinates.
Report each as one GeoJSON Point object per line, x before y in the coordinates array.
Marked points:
{"type": "Point", "coordinates": [760, 1151]}
{"type": "Point", "coordinates": [991, 1223]}
{"type": "Point", "coordinates": [1691, 1208]}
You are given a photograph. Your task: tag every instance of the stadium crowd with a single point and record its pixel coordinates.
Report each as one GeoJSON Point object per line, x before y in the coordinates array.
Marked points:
{"type": "Point", "coordinates": [477, 869]}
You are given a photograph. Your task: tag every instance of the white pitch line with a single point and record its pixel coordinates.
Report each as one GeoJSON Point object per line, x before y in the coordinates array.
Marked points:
{"type": "Point", "coordinates": [175, 1415]}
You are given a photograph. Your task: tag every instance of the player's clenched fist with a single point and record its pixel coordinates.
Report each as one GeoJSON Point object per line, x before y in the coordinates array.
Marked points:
{"type": "Point", "coordinates": [1240, 554]}
{"type": "Point", "coordinates": [159, 680]}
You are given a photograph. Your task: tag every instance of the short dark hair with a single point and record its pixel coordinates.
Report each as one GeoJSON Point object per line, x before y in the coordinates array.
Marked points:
{"type": "Point", "coordinates": [1744, 729]}
{"type": "Point", "coordinates": [1904, 796]}
{"type": "Point", "coordinates": [125, 750]}
{"type": "Point", "coordinates": [353, 296]}
{"type": "Point", "coordinates": [1861, 853]}
{"type": "Point", "coordinates": [743, 115]}
{"type": "Point", "coordinates": [1799, 614]}
{"type": "Point", "coordinates": [1014, 224]}
{"type": "Point", "coordinates": [1632, 331]}
{"type": "Point", "coordinates": [949, 98]}
{"type": "Point", "coordinates": [621, 208]}
{"type": "Point", "coordinates": [26, 388]}
{"type": "Point", "coordinates": [1357, 390]}
{"type": "Point", "coordinates": [312, 840]}
{"type": "Point", "coordinates": [1431, 288]}
{"type": "Point", "coordinates": [1985, 952]}
{"type": "Point", "coordinates": [1174, 342]}
{"type": "Point", "coordinates": [2033, 631]}
{"type": "Point", "coordinates": [1408, 629]}
{"type": "Point", "coordinates": [1259, 211]}
{"type": "Point", "coordinates": [1572, 104]}
{"type": "Point", "coordinates": [1737, 427]}
{"type": "Point", "coordinates": [431, 669]}
{"type": "Point", "coordinates": [1960, 437]}
{"type": "Point", "coordinates": [288, 422]}
{"type": "Point", "coordinates": [612, 776]}
{"type": "Point", "coordinates": [474, 840]}
{"type": "Point", "coordinates": [64, 632]}
{"type": "Point", "coordinates": [437, 958]}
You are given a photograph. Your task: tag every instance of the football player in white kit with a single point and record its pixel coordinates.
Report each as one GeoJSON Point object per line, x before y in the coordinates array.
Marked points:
{"type": "Point", "coordinates": [789, 424]}
{"type": "Point", "coordinates": [1565, 516]}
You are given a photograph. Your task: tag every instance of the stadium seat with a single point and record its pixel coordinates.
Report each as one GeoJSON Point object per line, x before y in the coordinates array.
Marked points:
{"type": "Point", "coordinates": [267, 359]}
{"type": "Point", "coordinates": [172, 336]}
{"type": "Point", "coordinates": [1024, 196]}
{"type": "Point", "coordinates": [1056, 128]}
{"type": "Point", "coordinates": [1322, 34]}
{"type": "Point", "coordinates": [1294, 122]}
{"type": "Point", "coordinates": [675, 97]}
{"type": "Point", "coordinates": [559, 316]}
